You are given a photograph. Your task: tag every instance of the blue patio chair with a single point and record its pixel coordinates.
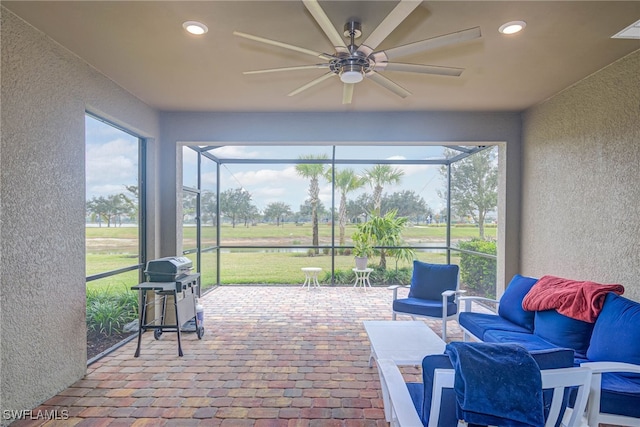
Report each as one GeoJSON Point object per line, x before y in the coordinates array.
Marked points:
{"type": "Point", "coordinates": [433, 293]}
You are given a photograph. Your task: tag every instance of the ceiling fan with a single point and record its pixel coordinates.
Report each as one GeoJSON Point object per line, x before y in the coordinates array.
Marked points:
{"type": "Point", "coordinates": [353, 63]}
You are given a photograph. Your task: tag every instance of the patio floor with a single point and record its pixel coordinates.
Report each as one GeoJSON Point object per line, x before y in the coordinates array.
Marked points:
{"type": "Point", "coordinates": [270, 356]}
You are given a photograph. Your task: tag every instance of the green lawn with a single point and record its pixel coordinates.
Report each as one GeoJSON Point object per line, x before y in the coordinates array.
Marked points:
{"type": "Point", "coordinates": [110, 248]}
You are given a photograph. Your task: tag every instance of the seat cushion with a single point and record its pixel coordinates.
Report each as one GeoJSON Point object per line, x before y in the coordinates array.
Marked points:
{"type": "Point", "coordinates": [616, 333]}
{"type": "Point", "coordinates": [429, 281]}
{"type": "Point", "coordinates": [421, 307]}
{"type": "Point", "coordinates": [563, 331]}
{"type": "Point", "coordinates": [620, 395]}
{"type": "Point", "coordinates": [510, 306]}
{"type": "Point", "coordinates": [529, 341]}
{"type": "Point", "coordinates": [478, 323]}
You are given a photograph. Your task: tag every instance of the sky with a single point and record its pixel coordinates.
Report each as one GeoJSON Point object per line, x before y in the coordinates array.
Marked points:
{"type": "Point", "coordinates": [273, 182]}
{"type": "Point", "coordinates": [111, 159]}
{"type": "Point", "coordinates": [112, 163]}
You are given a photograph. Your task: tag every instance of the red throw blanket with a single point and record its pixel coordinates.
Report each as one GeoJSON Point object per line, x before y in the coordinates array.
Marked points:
{"type": "Point", "coordinates": [580, 300]}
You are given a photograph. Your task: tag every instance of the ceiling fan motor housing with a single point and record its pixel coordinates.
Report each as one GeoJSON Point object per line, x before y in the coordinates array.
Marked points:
{"type": "Point", "coordinates": [352, 29]}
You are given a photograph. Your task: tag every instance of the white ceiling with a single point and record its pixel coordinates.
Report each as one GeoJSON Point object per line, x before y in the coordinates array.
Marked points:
{"type": "Point", "coordinates": [142, 46]}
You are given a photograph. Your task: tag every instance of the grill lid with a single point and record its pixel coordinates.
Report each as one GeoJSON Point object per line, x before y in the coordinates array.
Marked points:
{"type": "Point", "coordinates": [168, 269]}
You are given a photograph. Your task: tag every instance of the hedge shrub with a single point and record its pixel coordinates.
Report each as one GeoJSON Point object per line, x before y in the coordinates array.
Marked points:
{"type": "Point", "coordinates": [478, 274]}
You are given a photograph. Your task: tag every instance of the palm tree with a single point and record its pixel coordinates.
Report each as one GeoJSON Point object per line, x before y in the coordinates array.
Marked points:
{"type": "Point", "coordinates": [386, 232]}
{"type": "Point", "coordinates": [312, 171]}
{"type": "Point", "coordinates": [346, 181]}
{"type": "Point", "coordinates": [377, 177]}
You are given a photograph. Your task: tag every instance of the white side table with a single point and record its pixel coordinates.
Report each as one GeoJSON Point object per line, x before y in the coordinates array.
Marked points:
{"type": "Point", "coordinates": [311, 276]}
{"type": "Point", "coordinates": [362, 277]}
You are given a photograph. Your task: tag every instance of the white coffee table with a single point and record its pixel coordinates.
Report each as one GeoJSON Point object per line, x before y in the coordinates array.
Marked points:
{"type": "Point", "coordinates": [404, 342]}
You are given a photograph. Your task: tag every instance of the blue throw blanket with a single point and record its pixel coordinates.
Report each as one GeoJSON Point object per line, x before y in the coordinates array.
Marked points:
{"type": "Point", "coordinates": [496, 384]}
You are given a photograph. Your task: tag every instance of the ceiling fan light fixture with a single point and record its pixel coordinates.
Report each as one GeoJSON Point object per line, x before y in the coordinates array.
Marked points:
{"type": "Point", "coordinates": [351, 74]}
{"type": "Point", "coordinates": [512, 27]}
{"type": "Point", "coordinates": [195, 27]}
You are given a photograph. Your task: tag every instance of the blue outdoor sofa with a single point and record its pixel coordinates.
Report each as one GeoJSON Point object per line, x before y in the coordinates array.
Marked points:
{"type": "Point", "coordinates": [610, 346]}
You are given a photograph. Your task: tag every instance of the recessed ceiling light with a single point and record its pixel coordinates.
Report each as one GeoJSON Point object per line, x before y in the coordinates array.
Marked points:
{"type": "Point", "coordinates": [195, 27]}
{"type": "Point", "coordinates": [512, 27]}
{"type": "Point", "coordinates": [631, 32]}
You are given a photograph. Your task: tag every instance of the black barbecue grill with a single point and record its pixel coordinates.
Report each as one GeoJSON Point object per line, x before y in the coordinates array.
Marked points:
{"type": "Point", "coordinates": [169, 269]}
{"type": "Point", "coordinates": [169, 277]}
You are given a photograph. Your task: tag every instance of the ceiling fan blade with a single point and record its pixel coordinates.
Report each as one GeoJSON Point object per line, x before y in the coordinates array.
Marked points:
{"type": "Point", "coordinates": [388, 84]}
{"type": "Point", "coordinates": [283, 45]}
{"type": "Point", "coordinates": [388, 24]}
{"type": "Point", "coordinates": [428, 44]}
{"type": "Point", "coordinates": [417, 68]}
{"type": "Point", "coordinates": [323, 20]}
{"type": "Point", "coordinates": [347, 93]}
{"type": "Point", "coordinates": [275, 70]}
{"type": "Point", "coordinates": [313, 83]}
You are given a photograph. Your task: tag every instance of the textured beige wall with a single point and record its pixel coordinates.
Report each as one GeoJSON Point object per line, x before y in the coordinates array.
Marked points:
{"type": "Point", "coordinates": [581, 180]}
{"type": "Point", "coordinates": [45, 91]}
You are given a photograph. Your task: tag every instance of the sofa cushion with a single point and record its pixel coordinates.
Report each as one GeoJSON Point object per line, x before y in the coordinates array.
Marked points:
{"type": "Point", "coordinates": [478, 323]}
{"type": "Point", "coordinates": [616, 333]}
{"type": "Point", "coordinates": [511, 302]}
{"type": "Point", "coordinates": [563, 331]}
{"type": "Point", "coordinates": [428, 281]}
{"type": "Point", "coordinates": [528, 340]}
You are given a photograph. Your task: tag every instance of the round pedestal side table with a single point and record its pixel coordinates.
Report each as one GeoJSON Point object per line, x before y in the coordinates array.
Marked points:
{"type": "Point", "coordinates": [362, 277]}
{"type": "Point", "coordinates": [311, 276]}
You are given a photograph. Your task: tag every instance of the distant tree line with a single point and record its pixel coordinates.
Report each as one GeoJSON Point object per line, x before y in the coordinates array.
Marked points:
{"type": "Point", "coordinates": [474, 194]}
{"type": "Point", "coordinates": [113, 208]}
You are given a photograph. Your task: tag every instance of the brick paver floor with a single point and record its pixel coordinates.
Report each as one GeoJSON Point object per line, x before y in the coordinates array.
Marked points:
{"type": "Point", "coordinates": [270, 356]}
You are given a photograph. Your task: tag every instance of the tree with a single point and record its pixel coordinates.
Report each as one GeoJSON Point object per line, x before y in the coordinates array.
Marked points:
{"type": "Point", "coordinates": [407, 203]}
{"type": "Point", "coordinates": [277, 211]}
{"type": "Point", "coordinates": [304, 212]}
{"type": "Point", "coordinates": [133, 202]}
{"type": "Point", "coordinates": [208, 207]}
{"type": "Point", "coordinates": [251, 215]}
{"type": "Point", "coordinates": [236, 204]}
{"type": "Point", "coordinates": [377, 177]}
{"type": "Point", "coordinates": [346, 181]}
{"type": "Point", "coordinates": [312, 171]}
{"type": "Point", "coordinates": [360, 207]}
{"type": "Point", "coordinates": [189, 205]}
{"type": "Point", "coordinates": [110, 208]}
{"type": "Point", "coordinates": [474, 185]}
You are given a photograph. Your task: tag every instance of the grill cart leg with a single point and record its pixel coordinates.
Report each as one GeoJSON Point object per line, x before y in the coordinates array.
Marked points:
{"type": "Point", "coordinates": [157, 332]}
{"type": "Point", "coordinates": [143, 301]}
{"type": "Point", "coordinates": [178, 324]}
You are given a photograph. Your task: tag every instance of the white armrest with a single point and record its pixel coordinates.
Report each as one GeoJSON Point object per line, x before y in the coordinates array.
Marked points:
{"type": "Point", "coordinates": [602, 367]}
{"type": "Point", "coordinates": [394, 288]}
{"type": "Point", "coordinates": [468, 300]}
{"type": "Point", "coordinates": [450, 293]}
{"type": "Point", "coordinates": [402, 411]}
